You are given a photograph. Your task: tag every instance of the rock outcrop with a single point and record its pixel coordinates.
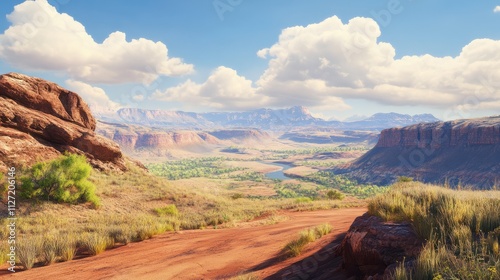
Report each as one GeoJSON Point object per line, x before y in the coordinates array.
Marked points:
{"type": "Point", "coordinates": [39, 120]}
{"type": "Point", "coordinates": [132, 137]}
{"type": "Point", "coordinates": [463, 152]}
{"type": "Point", "coordinates": [372, 247]}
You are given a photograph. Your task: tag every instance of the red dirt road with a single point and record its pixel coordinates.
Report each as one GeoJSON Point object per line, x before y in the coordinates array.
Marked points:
{"type": "Point", "coordinates": [201, 254]}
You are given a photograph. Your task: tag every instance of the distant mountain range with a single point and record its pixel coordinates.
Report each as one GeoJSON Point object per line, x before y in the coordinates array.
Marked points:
{"type": "Point", "coordinates": [265, 119]}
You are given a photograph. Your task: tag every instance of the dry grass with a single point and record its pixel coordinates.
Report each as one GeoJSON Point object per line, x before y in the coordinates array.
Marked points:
{"type": "Point", "coordinates": [28, 251]}
{"type": "Point", "coordinates": [462, 229]}
{"type": "Point", "coordinates": [295, 247]}
{"type": "Point", "coordinates": [136, 206]}
{"type": "Point", "coordinates": [94, 243]}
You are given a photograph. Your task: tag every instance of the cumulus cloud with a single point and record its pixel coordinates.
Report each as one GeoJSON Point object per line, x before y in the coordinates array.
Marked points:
{"type": "Point", "coordinates": [95, 97]}
{"type": "Point", "coordinates": [224, 89]}
{"type": "Point", "coordinates": [323, 64]}
{"type": "Point", "coordinates": [41, 38]}
{"type": "Point", "coordinates": [496, 9]}
{"type": "Point", "coordinates": [331, 61]}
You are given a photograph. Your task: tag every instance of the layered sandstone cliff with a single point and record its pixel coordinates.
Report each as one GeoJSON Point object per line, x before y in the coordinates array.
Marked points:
{"type": "Point", "coordinates": [461, 152]}
{"type": "Point", "coordinates": [39, 120]}
{"type": "Point", "coordinates": [133, 137]}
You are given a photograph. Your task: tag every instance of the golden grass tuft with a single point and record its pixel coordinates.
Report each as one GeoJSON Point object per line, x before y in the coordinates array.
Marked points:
{"type": "Point", "coordinates": [295, 247]}
{"type": "Point", "coordinates": [460, 227]}
{"type": "Point", "coordinates": [28, 251]}
{"type": "Point", "coordinates": [94, 243]}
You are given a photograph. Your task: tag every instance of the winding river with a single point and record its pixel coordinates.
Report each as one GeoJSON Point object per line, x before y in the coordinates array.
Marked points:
{"type": "Point", "coordinates": [279, 174]}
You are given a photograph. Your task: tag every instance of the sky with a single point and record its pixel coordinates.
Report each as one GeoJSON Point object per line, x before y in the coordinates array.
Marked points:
{"type": "Point", "coordinates": [337, 58]}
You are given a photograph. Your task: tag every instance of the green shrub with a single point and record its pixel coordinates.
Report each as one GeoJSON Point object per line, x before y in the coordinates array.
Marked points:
{"type": "Point", "coordinates": [169, 210]}
{"type": "Point", "coordinates": [64, 179]}
{"type": "Point", "coordinates": [335, 195]}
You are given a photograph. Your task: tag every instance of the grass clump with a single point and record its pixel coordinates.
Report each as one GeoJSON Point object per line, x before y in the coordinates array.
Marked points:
{"type": "Point", "coordinates": [66, 248]}
{"type": "Point", "coordinates": [95, 243]}
{"type": "Point", "coordinates": [295, 247]}
{"type": "Point", "coordinates": [323, 230]}
{"type": "Point", "coordinates": [28, 251]}
{"type": "Point", "coordinates": [462, 229]}
{"type": "Point", "coordinates": [49, 252]}
{"type": "Point", "coordinates": [169, 210]}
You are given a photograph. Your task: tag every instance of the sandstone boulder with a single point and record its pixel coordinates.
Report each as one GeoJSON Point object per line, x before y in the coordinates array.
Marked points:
{"type": "Point", "coordinates": [39, 120]}
{"type": "Point", "coordinates": [371, 245]}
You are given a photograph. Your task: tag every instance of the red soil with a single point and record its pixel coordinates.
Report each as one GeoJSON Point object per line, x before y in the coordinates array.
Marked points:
{"type": "Point", "coordinates": [213, 254]}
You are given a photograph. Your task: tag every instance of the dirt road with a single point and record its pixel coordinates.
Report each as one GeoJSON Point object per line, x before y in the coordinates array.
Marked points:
{"type": "Point", "coordinates": [205, 254]}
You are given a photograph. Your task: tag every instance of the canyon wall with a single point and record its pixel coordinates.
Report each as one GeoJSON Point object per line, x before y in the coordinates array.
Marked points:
{"type": "Point", "coordinates": [460, 152]}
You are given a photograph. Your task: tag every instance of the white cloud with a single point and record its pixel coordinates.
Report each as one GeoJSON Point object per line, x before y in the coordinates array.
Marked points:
{"type": "Point", "coordinates": [139, 97]}
{"type": "Point", "coordinates": [224, 89]}
{"type": "Point", "coordinates": [323, 64]}
{"type": "Point", "coordinates": [331, 61]}
{"type": "Point", "coordinates": [41, 38]}
{"type": "Point", "coordinates": [496, 9]}
{"type": "Point", "coordinates": [95, 97]}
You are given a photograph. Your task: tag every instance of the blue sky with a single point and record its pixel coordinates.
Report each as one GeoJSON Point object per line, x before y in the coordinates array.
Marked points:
{"type": "Point", "coordinates": [410, 62]}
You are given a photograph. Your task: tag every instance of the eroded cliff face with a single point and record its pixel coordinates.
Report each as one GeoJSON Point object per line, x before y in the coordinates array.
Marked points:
{"type": "Point", "coordinates": [465, 152]}
{"type": "Point", "coordinates": [485, 131]}
{"type": "Point", "coordinates": [132, 137]}
{"type": "Point", "coordinates": [40, 120]}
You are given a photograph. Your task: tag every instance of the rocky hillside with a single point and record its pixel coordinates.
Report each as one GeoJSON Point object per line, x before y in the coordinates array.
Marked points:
{"type": "Point", "coordinates": [133, 137]}
{"type": "Point", "coordinates": [465, 152]}
{"type": "Point", "coordinates": [39, 120]}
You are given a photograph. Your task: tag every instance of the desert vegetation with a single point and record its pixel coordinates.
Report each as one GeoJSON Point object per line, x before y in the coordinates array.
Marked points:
{"type": "Point", "coordinates": [61, 180]}
{"type": "Point", "coordinates": [329, 180]}
{"type": "Point", "coordinates": [190, 168]}
{"type": "Point", "coordinates": [295, 247]}
{"type": "Point", "coordinates": [69, 210]}
{"type": "Point", "coordinates": [461, 229]}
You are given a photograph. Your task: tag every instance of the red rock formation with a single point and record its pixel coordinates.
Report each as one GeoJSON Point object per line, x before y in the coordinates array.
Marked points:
{"type": "Point", "coordinates": [39, 120]}
{"type": "Point", "coordinates": [371, 246]}
{"type": "Point", "coordinates": [484, 131]}
{"type": "Point", "coordinates": [131, 137]}
{"type": "Point", "coordinates": [463, 152]}
{"type": "Point", "coordinates": [46, 97]}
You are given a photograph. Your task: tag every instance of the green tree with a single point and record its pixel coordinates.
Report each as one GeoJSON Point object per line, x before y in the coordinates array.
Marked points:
{"type": "Point", "coordinates": [335, 195]}
{"type": "Point", "coordinates": [64, 179]}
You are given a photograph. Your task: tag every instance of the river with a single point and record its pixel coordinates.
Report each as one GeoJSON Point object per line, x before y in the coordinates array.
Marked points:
{"type": "Point", "coordinates": [279, 174]}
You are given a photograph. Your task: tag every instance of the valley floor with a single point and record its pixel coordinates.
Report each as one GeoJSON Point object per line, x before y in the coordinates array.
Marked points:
{"type": "Point", "coordinates": [211, 253]}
